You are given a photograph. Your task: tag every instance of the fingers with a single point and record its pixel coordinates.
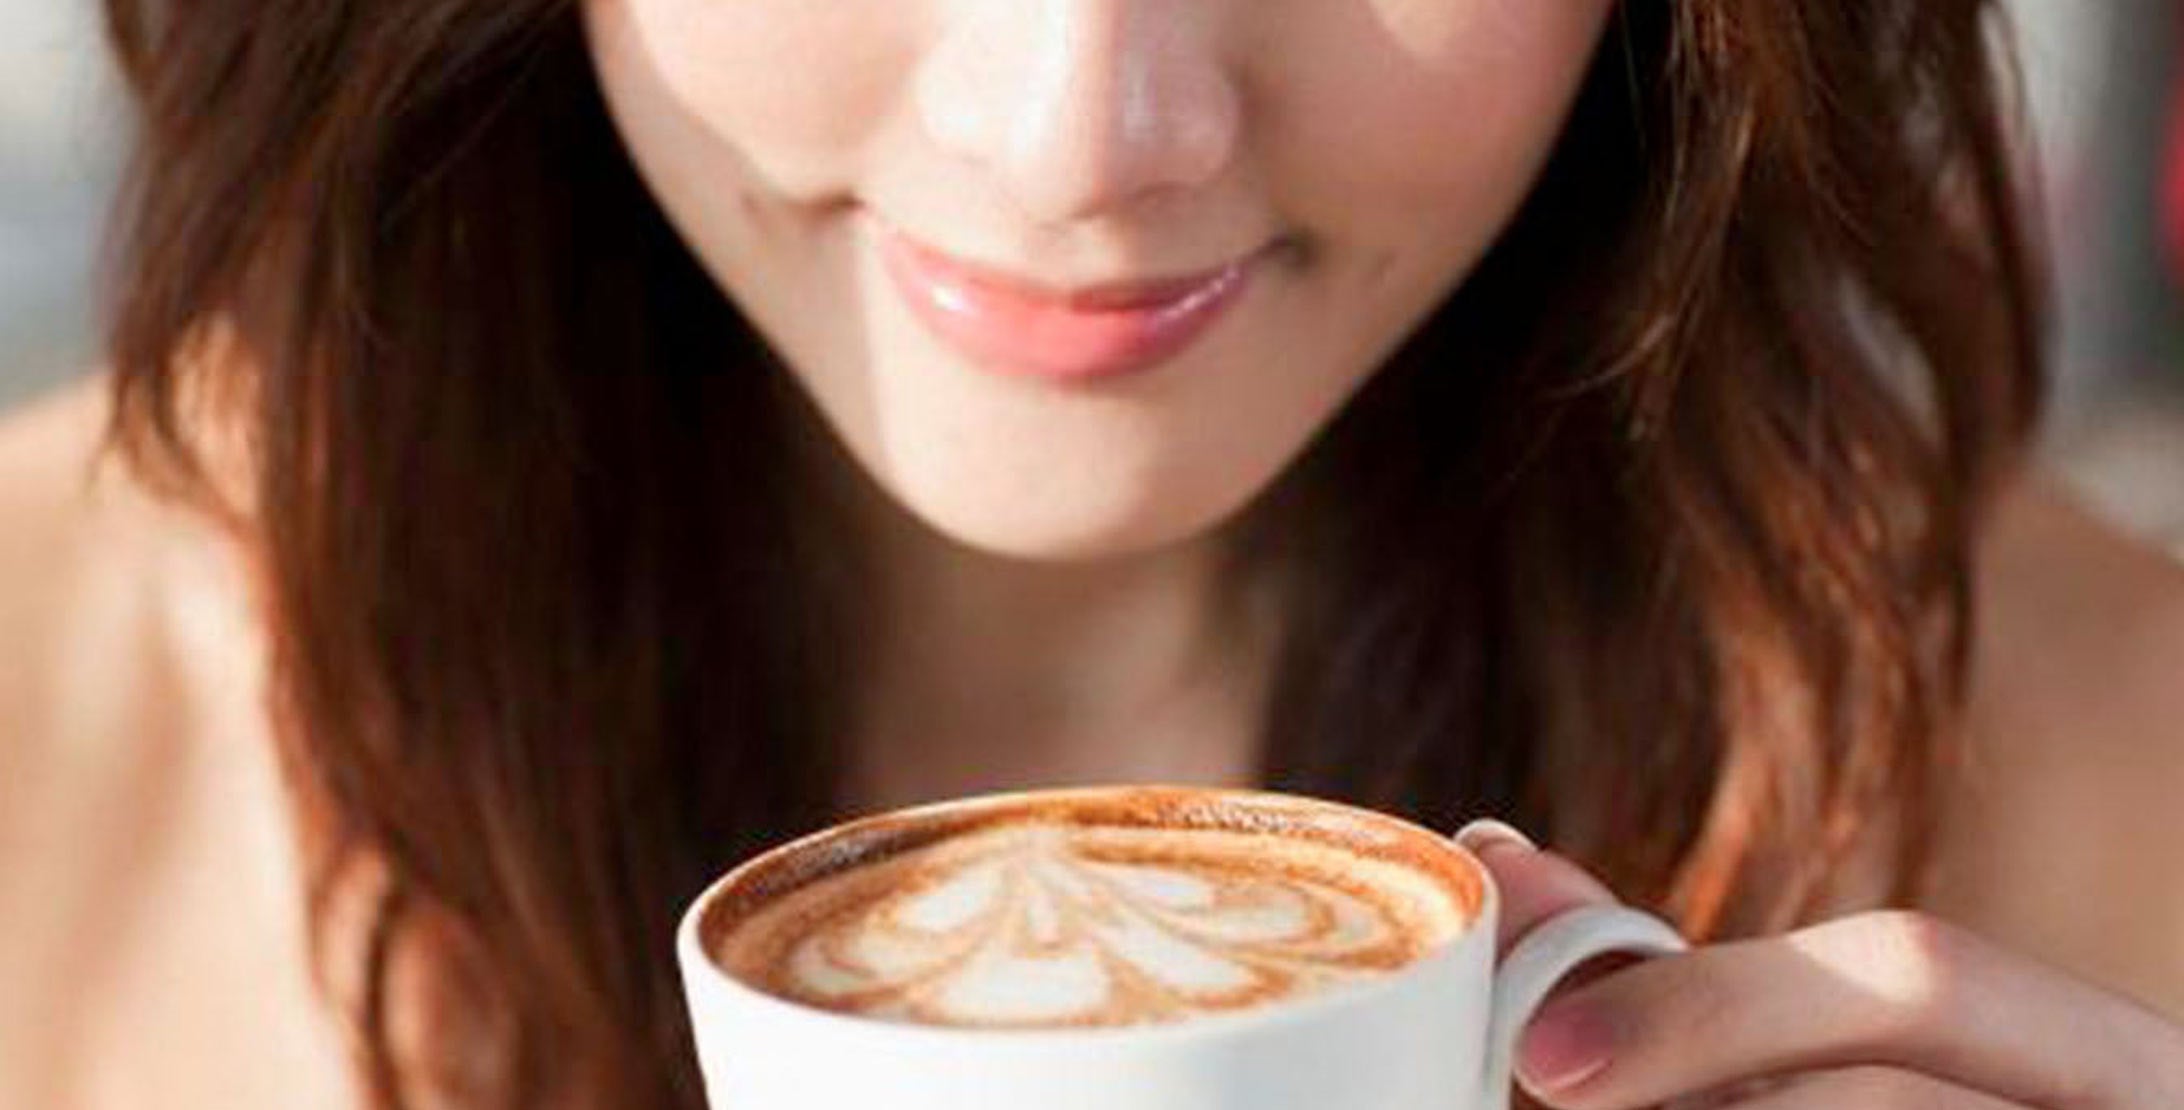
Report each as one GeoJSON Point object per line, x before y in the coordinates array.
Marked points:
{"type": "Point", "coordinates": [1889, 988]}
{"type": "Point", "coordinates": [1534, 885]}
{"type": "Point", "coordinates": [1872, 1088]}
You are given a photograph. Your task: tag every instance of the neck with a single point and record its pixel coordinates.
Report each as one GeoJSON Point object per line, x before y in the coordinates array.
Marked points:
{"type": "Point", "coordinates": [988, 672]}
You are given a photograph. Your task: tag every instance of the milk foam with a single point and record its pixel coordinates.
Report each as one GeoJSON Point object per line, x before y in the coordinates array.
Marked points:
{"type": "Point", "coordinates": [1031, 925]}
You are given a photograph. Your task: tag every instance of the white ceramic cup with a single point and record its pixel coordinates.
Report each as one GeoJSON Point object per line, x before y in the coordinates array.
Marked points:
{"type": "Point", "coordinates": [1439, 1034]}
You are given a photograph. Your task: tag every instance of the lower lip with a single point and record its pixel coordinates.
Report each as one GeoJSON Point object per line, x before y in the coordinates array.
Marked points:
{"type": "Point", "coordinates": [1043, 339]}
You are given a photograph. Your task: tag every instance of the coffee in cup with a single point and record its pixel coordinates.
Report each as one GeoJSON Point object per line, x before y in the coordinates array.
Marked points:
{"type": "Point", "coordinates": [1084, 910]}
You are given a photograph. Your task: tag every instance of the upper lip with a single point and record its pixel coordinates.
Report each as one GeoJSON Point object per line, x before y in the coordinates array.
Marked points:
{"type": "Point", "coordinates": [1106, 293]}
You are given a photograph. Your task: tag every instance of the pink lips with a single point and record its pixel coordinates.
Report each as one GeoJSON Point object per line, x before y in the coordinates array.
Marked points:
{"type": "Point", "coordinates": [1014, 328]}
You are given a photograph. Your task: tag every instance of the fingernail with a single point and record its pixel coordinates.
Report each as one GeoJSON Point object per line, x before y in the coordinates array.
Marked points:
{"type": "Point", "coordinates": [1563, 1047]}
{"type": "Point", "coordinates": [1486, 832]}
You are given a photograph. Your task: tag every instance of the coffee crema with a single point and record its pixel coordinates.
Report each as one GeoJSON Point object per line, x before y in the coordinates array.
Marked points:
{"type": "Point", "coordinates": [1048, 917]}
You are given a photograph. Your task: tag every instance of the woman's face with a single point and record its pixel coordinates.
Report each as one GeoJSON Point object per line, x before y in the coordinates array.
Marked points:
{"type": "Point", "coordinates": [1340, 164]}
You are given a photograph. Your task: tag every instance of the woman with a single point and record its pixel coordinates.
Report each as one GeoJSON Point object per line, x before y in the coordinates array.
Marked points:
{"type": "Point", "coordinates": [575, 444]}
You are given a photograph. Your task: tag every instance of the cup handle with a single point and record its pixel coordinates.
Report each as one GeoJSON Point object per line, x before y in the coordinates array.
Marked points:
{"type": "Point", "coordinates": [1548, 953]}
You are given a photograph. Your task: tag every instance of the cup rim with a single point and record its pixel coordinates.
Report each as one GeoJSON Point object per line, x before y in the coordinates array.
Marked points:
{"type": "Point", "coordinates": [701, 971]}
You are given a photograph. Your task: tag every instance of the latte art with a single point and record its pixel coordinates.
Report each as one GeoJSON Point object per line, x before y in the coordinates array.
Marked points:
{"type": "Point", "coordinates": [1040, 925]}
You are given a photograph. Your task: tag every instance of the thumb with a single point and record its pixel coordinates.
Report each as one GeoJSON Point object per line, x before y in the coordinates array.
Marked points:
{"type": "Point", "coordinates": [1534, 884]}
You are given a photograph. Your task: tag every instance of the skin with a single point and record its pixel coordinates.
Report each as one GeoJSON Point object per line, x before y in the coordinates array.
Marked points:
{"type": "Point", "coordinates": [1050, 547]}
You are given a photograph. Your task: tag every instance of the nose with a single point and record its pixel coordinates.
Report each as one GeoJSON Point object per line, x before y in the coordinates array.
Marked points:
{"type": "Point", "coordinates": [1080, 107]}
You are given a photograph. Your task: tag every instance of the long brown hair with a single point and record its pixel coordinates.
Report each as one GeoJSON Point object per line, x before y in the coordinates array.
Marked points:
{"type": "Point", "coordinates": [1656, 538]}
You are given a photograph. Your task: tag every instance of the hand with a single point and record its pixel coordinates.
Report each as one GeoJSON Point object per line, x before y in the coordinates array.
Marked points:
{"type": "Point", "coordinates": [1881, 1010]}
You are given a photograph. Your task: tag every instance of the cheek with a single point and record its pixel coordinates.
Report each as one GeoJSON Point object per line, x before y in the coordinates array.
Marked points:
{"type": "Point", "coordinates": [1410, 106]}
{"type": "Point", "coordinates": [795, 86]}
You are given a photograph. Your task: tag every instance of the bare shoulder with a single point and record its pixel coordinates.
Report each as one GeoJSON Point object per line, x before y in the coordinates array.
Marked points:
{"type": "Point", "coordinates": [47, 444]}
{"type": "Point", "coordinates": [104, 590]}
{"type": "Point", "coordinates": [2081, 629]}
{"type": "Point", "coordinates": [110, 594]}
{"type": "Point", "coordinates": [2068, 836]}
{"type": "Point", "coordinates": [46, 781]}
{"type": "Point", "coordinates": [48, 477]}
{"type": "Point", "coordinates": [138, 783]}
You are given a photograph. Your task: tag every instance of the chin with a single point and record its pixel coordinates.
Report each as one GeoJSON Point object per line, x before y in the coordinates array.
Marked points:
{"type": "Point", "coordinates": [1072, 528]}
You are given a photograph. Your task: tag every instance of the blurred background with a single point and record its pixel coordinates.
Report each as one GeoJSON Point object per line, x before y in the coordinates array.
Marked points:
{"type": "Point", "coordinates": [2100, 78]}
